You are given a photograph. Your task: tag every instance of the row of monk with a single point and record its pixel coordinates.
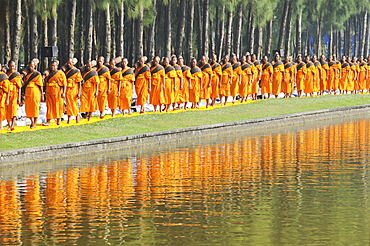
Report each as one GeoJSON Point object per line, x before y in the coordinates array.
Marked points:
{"type": "Point", "coordinates": [170, 83]}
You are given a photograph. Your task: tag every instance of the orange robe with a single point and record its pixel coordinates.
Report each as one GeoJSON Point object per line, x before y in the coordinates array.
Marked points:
{"type": "Point", "coordinates": [15, 80]}
{"type": "Point", "coordinates": [301, 73]}
{"type": "Point", "coordinates": [278, 77]}
{"type": "Point", "coordinates": [167, 95]}
{"type": "Point", "coordinates": [362, 76]}
{"type": "Point", "coordinates": [88, 100]}
{"type": "Point", "coordinates": [125, 98]}
{"type": "Point", "coordinates": [246, 78]}
{"type": "Point", "coordinates": [227, 74]}
{"type": "Point", "coordinates": [216, 73]}
{"type": "Point", "coordinates": [338, 67]}
{"type": "Point", "coordinates": [309, 86]}
{"type": "Point", "coordinates": [54, 100]}
{"type": "Point", "coordinates": [177, 93]}
{"type": "Point", "coordinates": [351, 80]}
{"type": "Point", "coordinates": [318, 69]}
{"type": "Point", "coordinates": [234, 88]}
{"type": "Point", "coordinates": [267, 71]}
{"type": "Point", "coordinates": [73, 82]}
{"type": "Point", "coordinates": [205, 93]}
{"type": "Point", "coordinates": [141, 84]}
{"type": "Point", "coordinates": [33, 82]}
{"type": "Point", "coordinates": [343, 82]}
{"type": "Point", "coordinates": [324, 76]}
{"type": "Point", "coordinates": [4, 90]}
{"type": "Point", "coordinates": [104, 78]}
{"type": "Point", "coordinates": [331, 75]}
{"type": "Point", "coordinates": [157, 84]}
{"type": "Point", "coordinates": [256, 69]}
{"type": "Point", "coordinates": [116, 77]}
{"type": "Point", "coordinates": [184, 93]}
{"type": "Point", "coordinates": [287, 85]}
{"type": "Point", "coordinates": [194, 90]}
{"type": "Point", "coordinates": [368, 77]}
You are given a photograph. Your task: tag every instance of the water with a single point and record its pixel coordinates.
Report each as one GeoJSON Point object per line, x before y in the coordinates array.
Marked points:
{"type": "Point", "coordinates": [307, 187]}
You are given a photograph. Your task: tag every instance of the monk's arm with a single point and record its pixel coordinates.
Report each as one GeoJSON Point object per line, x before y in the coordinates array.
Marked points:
{"type": "Point", "coordinates": [181, 83]}
{"type": "Point", "coordinates": [119, 87]}
{"type": "Point", "coordinates": [63, 89]}
{"type": "Point", "coordinates": [174, 83]}
{"type": "Point", "coordinates": [41, 93]}
{"type": "Point", "coordinates": [210, 80]}
{"type": "Point", "coordinates": [240, 78]}
{"type": "Point", "coordinates": [109, 85]}
{"type": "Point", "coordinates": [79, 90]}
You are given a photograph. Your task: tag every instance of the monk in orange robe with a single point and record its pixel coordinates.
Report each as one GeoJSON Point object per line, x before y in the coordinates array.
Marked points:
{"type": "Point", "coordinates": [216, 78]}
{"type": "Point", "coordinates": [143, 79]}
{"type": "Point", "coordinates": [331, 74]}
{"type": "Point", "coordinates": [33, 86]}
{"type": "Point", "coordinates": [300, 75]}
{"type": "Point", "coordinates": [234, 88]}
{"type": "Point", "coordinates": [279, 76]}
{"type": "Point", "coordinates": [73, 91]}
{"type": "Point", "coordinates": [324, 75]}
{"type": "Point", "coordinates": [206, 68]}
{"type": "Point", "coordinates": [169, 88]}
{"type": "Point", "coordinates": [104, 85]}
{"type": "Point", "coordinates": [125, 87]}
{"type": "Point", "coordinates": [318, 71]}
{"type": "Point", "coordinates": [4, 96]}
{"type": "Point", "coordinates": [179, 82]}
{"type": "Point", "coordinates": [90, 88]}
{"type": "Point", "coordinates": [184, 92]}
{"type": "Point", "coordinates": [363, 74]}
{"type": "Point", "coordinates": [157, 84]}
{"type": "Point", "coordinates": [55, 83]}
{"type": "Point", "coordinates": [266, 78]}
{"type": "Point", "coordinates": [15, 80]}
{"type": "Point", "coordinates": [344, 75]}
{"type": "Point", "coordinates": [352, 82]}
{"type": "Point", "coordinates": [226, 80]}
{"type": "Point", "coordinates": [368, 77]}
{"type": "Point", "coordinates": [309, 86]}
{"type": "Point", "coordinates": [246, 79]}
{"type": "Point", "coordinates": [288, 85]}
{"type": "Point", "coordinates": [195, 83]}
{"type": "Point", "coordinates": [116, 77]}
{"type": "Point", "coordinates": [257, 72]}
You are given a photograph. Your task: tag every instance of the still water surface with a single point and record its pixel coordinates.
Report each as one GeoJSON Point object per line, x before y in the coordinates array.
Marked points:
{"type": "Point", "coordinates": [308, 187]}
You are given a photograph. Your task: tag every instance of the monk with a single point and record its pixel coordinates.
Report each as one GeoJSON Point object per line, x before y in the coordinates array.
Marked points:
{"type": "Point", "coordinates": [331, 74]}
{"type": "Point", "coordinates": [344, 75]}
{"type": "Point", "coordinates": [206, 68]}
{"type": "Point", "coordinates": [196, 82]}
{"type": "Point", "coordinates": [4, 96]}
{"type": "Point", "coordinates": [90, 89]}
{"type": "Point", "coordinates": [257, 72]}
{"type": "Point", "coordinates": [56, 83]}
{"type": "Point", "coordinates": [288, 85]}
{"type": "Point", "coordinates": [226, 80]}
{"type": "Point", "coordinates": [279, 76]}
{"type": "Point", "coordinates": [116, 77]}
{"type": "Point", "coordinates": [169, 88]}
{"type": "Point", "coordinates": [246, 79]}
{"type": "Point", "coordinates": [143, 79]}
{"type": "Point", "coordinates": [179, 83]}
{"type": "Point", "coordinates": [324, 75]}
{"type": "Point", "coordinates": [104, 85]}
{"type": "Point", "coordinates": [352, 82]}
{"type": "Point", "coordinates": [318, 70]}
{"type": "Point", "coordinates": [310, 81]}
{"type": "Point", "coordinates": [15, 80]}
{"type": "Point", "coordinates": [216, 78]}
{"type": "Point", "coordinates": [184, 92]}
{"type": "Point", "coordinates": [234, 88]}
{"type": "Point", "coordinates": [157, 84]}
{"type": "Point", "coordinates": [73, 91]}
{"type": "Point", "coordinates": [266, 78]}
{"type": "Point", "coordinates": [300, 75]}
{"type": "Point", "coordinates": [338, 68]}
{"type": "Point", "coordinates": [125, 87]}
{"type": "Point", "coordinates": [33, 87]}
{"type": "Point", "coordinates": [363, 74]}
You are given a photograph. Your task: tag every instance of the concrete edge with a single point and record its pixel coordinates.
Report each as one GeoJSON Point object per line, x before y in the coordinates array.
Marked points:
{"type": "Point", "coordinates": [75, 149]}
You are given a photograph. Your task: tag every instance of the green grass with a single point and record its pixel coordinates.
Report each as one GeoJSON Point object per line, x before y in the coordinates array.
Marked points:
{"type": "Point", "coordinates": [156, 122]}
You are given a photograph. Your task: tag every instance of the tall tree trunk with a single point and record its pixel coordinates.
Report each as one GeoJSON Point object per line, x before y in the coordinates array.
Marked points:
{"type": "Point", "coordinates": [140, 33]}
{"type": "Point", "coordinates": [252, 35]}
{"type": "Point", "coordinates": [348, 50]}
{"type": "Point", "coordinates": [53, 26]}
{"type": "Point", "coordinates": [8, 45]}
{"type": "Point", "coordinates": [237, 39]}
{"type": "Point", "coordinates": [108, 35]}
{"type": "Point", "coordinates": [190, 30]}
{"type": "Point", "coordinates": [72, 24]}
{"type": "Point", "coordinates": [27, 38]}
{"type": "Point", "coordinates": [289, 31]}
{"type": "Point", "coordinates": [269, 39]}
{"type": "Point", "coordinates": [283, 25]}
{"type": "Point", "coordinates": [249, 27]}
{"type": "Point", "coordinates": [45, 40]}
{"type": "Point", "coordinates": [308, 42]}
{"type": "Point", "coordinates": [340, 45]}
{"type": "Point", "coordinates": [114, 29]}
{"type": "Point", "coordinates": [89, 34]}
{"type": "Point", "coordinates": [229, 31]}
{"type": "Point", "coordinates": [260, 42]}
{"type": "Point", "coordinates": [206, 28]}
{"type": "Point", "coordinates": [121, 30]}
{"type": "Point", "coordinates": [17, 31]}
{"type": "Point", "coordinates": [180, 28]}
{"type": "Point", "coordinates": [212, 38]}
{"type": "Point", "coordinates": [199, 31]}
{"type": "Point", "coordinates": [318, 36]}
{"type": "Point", "coordinates": [169, 29]}
{"type": "Point", "coordinates": [331, 41]}
{"type": "Point", "coordinates": [364, 33]}
{"type": "Point", "coordinates": [299, 32]}
{"type": "Point", "coordinates": [152, 31]}
{"type": "Point", "coordinates": [367, 46]}
{"type": "Point", "coordinates": [222, 32]}
{"type": "Point", "coordinates": [33, 31]}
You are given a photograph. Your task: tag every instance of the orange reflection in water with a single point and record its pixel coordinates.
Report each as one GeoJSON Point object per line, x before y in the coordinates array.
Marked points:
{"type": "Point", "coordinates": [107, 200]}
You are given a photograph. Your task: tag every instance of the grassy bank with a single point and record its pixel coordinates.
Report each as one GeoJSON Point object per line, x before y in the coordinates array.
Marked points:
{"type": "Point", "coordinates": [156, 122]}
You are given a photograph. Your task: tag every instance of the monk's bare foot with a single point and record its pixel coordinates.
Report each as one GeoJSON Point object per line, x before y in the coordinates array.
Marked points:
{"type": "Point", "coordinates": [68, 122]}
{"type": "Point", "coordinates": [129, 113]}
{"type": "Point", "coordinates": [77, 121]}
{"type": "Point", "coordinates": [45, 124]}
{"type": "Point", "coordinates": [101, 117]}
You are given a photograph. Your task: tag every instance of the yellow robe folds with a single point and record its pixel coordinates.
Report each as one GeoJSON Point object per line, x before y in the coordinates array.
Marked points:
{"type": "Point", "coordinates": [15, 80]}
{"type": "Point", "coordinates": [33, 82]}
{"type": "Point", "coordinates": [73, 80]}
